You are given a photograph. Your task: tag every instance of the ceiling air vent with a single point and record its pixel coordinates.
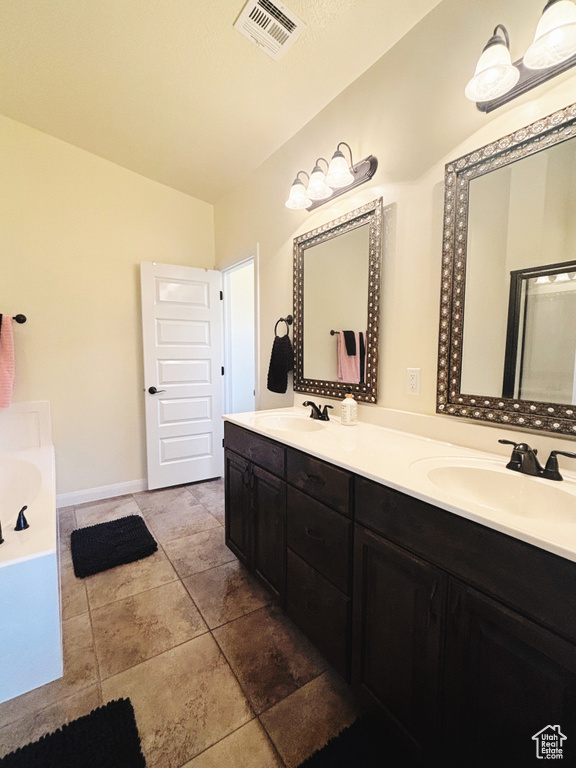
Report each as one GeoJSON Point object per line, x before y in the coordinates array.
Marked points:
{"type": "Point", "coordinates": [273, 28]}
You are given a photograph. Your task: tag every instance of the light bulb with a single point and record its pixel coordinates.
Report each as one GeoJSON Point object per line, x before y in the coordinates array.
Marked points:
{"type": "Point", "coordinates": [555, 38]}
{"type": "Point", "coordinates": [298, 199]}
{"type": "Point", "coordinates": [317, 187]}
{"type": "Point", "coordinates": [495, 74]}
{"type": "Point", "coordinates": [338, 173]}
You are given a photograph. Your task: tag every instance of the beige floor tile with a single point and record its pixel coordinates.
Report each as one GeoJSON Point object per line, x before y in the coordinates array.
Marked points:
{"type": "Point", "coordinates": [164, 499]}
{"type": "Point", "coordinates": [306, 720]}
{"type": "Point", "coordinates": [66, 523]}
{"type": "Point", "coordinates": [185, 700]}
{"type": "Point", "coordinates": [48, 720]}
{"type": "Point", "coordinates": [104, 511]}
{"type": "Point", "coordinates": [132, 630]}
{"type": "Point", "coordinates": [248, 747]}
{"type": "Point", "coordinates": [130, 579]}
{"type": "Point", "coordinates": [269, 655]}
{"type": "Point", "coordinates": [211, 494]}
{"type": "Point", "coordinates": [80, 672]}
{"type": "Point", "coordinates": [196, 553]}
{"type": "Point", "coordinates": [171, 524]}
{"type": "Point", "coordinates": [226, 593]}
{"type": "Point", "coordinates": [73, 591]}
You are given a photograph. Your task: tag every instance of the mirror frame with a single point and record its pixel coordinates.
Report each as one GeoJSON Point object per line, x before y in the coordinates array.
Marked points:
{"type": "Point", "coordinates": [523, 414]}
{"type": "Point", "coordinates": [371, 214]}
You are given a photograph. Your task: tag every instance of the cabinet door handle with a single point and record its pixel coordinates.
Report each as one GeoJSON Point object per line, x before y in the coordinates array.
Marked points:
{"type": "Point", "coordinates": [456, 611]}
{"type": "Point", "coordinates": [311, 533]}
{"type": "Point", "coordinates": [433, 611]}
{"type": "Point", "coordinates": [316, 479]}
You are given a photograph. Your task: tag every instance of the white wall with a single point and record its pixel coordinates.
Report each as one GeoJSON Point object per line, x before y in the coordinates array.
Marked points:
{"type": "Point", "coordinates": [73, 230]}
{"type": "Point", "coordinates": [410, 111]}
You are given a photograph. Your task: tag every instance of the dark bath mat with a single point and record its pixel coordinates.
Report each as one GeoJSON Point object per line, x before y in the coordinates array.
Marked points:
{"type": "Point", "coordinates": [106, 545]}
{"type": "Point", "coordinates": [106, 738]}
{"type": "Point", "coordinates": [364, 744]}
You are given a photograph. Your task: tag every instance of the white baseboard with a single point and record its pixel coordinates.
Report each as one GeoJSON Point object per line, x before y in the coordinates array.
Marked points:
{"type": "Point", "coordinates": [97, 494]}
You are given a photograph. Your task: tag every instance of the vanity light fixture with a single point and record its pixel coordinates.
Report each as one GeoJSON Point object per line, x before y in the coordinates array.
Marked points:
{"type": "Point", "coordinates": [497, 80]}
{"type": "Point", "coordinates": [339, 178]}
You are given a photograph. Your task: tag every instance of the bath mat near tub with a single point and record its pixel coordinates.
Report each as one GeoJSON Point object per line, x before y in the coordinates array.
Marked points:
{"type": "Point", "coordinates": [102, 546]}
{"type": "Point", "coordinates": [106, 738]}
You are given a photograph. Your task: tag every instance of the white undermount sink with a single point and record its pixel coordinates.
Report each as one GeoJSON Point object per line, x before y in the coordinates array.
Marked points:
{"type": "Point", "coordinates": [489, 484]}
{"type": "Point", "coordinates": [289, 422]}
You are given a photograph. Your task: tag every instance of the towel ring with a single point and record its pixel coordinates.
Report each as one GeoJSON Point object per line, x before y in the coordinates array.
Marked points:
{"type": "Point", "coordinates": [288, 320]}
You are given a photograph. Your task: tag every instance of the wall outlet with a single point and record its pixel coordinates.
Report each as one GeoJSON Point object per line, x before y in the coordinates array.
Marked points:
{"type": "Point", "coordinates": [413, 380]}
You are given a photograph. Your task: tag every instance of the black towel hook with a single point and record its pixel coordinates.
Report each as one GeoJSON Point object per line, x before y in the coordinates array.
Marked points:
{"type": "Point", "coordinates": [19, 318]}
{"type": "Point", "coordinates": [288, 320]}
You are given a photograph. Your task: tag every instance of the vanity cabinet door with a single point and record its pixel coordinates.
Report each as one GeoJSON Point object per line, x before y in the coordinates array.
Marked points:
{"type": "Point", "coordinates": [238, 506]}
{"type": "Point", "coordinates": [399, 609]}
{"type": "Point", "coordinates": [507, 679]}
{"type": "Point", "coordinates": [269, 530]}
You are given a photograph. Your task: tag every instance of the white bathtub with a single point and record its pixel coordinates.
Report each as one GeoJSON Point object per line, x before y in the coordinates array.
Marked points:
{"type": "Point", "coordinates": [30, 626]}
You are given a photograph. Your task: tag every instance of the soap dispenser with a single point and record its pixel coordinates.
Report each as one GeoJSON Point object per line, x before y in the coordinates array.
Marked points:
{"type": "Point", "coordinates": [348, 410]}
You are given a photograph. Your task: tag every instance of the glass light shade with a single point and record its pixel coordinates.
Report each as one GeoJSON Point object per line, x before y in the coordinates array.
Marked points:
{"type": "Point", "coordinates": [298, 199]}
{"type": "Point", "coordinates": [338, 172]}
{"type": "Point", "coordinates": [317, 187]}
{"type": "Point", "coordinates": [495, 74]}
{"type": "Point", "coordinates": [555, 38]}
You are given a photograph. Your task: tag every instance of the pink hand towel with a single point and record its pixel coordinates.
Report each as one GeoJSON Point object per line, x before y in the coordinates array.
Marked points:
{"type": "Point", "coordinates": [348, 365]}
{"type": "Point", "coordinates": [6, 362]}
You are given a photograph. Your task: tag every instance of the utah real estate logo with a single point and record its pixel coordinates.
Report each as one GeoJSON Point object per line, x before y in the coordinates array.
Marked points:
{"type": "Point", "coordinates": [549, 743]}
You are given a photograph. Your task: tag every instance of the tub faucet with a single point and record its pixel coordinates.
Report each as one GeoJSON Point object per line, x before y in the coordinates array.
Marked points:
{"type": "Point", "coordinates": [318, 413]}
{"type": "Point", "coordinates": [1, 539]}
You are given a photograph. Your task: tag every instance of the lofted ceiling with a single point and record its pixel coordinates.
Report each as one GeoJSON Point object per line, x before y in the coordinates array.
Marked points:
{"type": "Point", "coordinates": [170, 90]}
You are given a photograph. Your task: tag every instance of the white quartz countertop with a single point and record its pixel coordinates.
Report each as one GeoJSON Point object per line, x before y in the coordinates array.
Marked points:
{"type": "Point", "coordinates": [537, 511]}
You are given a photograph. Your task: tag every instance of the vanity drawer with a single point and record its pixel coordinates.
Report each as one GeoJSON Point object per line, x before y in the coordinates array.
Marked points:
{"type": "Point", "coordinates": [320, 536]}
{"type": "Point", "coordinates": [257, 449]}
{"type": "Point", "coordinates": [325, 482]}
{"type": "Point", "coordinates": [320, 610]}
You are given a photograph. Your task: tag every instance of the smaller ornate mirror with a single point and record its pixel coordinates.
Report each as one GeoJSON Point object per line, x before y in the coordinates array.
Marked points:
{"type": "Point", "coordinates": [337, 288]}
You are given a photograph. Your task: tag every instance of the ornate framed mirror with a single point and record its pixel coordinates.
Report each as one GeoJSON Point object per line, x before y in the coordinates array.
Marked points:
{"type": "Point", "coordinates": [337, 269]}
{"type": "Point", "coordinates": [507, 347]}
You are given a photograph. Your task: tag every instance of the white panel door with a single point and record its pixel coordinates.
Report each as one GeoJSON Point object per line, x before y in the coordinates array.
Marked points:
{"type": "Point", "coordinates": [182, 337]}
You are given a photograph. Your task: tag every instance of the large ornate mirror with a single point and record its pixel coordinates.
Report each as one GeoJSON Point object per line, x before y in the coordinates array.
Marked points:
{"type": "Point", "coordinates": [507, 350]}
{"type": "Point", "coordinates": [336, 305]}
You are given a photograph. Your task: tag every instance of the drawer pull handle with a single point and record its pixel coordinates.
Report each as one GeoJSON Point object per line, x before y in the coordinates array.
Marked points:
{"type": "Point", "coordinates": [311, 533]}
{"type": "Point", "coordinates": [316, 479]}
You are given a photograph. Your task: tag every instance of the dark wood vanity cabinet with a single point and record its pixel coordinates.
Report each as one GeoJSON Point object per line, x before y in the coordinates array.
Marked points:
{"type": "Point", "coordinates": [256, 506]}
{"type": "Point", "coordinates": [468, 678]}
{"type": "Point", "coordinates": [506, 678]}
{"type": "Point", "coordinates": [465, 637]}
{"type": "Point", "coordinates": [399, 616]}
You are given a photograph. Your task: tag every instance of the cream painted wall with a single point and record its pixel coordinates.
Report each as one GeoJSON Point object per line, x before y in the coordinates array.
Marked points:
{"type": "Point", "coordinates": [73, 230]}
{"type": "Point", "coordinates": [410, 111]}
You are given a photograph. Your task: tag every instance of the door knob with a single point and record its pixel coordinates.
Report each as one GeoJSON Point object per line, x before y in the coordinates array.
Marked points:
{"type": "Point", "coordinates": [154, 391]}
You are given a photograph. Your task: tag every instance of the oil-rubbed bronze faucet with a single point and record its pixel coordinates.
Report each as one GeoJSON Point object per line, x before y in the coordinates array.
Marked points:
{"type": "Point", "coordinates": [524, 459]}
{"type": "Point", "coordinates": [318, 413]}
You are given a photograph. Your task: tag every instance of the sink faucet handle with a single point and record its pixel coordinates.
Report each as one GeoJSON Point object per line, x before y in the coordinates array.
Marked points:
{"type": "Point", "coordinates": [315, 413]}
{"type": "Point", "coordinates": [324, 413]}
{"type": "Point", "coordinates": [551, 470]}
{"type": "Point", "coordinates": [515, 462]}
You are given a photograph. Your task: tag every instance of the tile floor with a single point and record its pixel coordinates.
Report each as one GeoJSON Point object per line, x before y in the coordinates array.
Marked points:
{"type": "Point", "coordinates": [217, 675]}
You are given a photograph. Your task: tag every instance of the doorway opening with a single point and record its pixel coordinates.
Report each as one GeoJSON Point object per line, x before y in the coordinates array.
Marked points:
{"type": "Point", "coordinates": [239, 283]}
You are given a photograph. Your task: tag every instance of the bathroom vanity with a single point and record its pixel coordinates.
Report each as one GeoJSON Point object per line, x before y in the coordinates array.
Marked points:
{"type": "Point", "coordinates": [462, 629]}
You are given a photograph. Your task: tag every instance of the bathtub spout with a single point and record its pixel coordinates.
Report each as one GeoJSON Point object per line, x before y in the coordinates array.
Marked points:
{"type": "Point", "coordinates": [1, 539]}
{"type": "Point", "coordinates": [22, 523]}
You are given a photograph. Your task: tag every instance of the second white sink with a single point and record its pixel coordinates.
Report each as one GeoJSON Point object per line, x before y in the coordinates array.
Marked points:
{"type": "Point", "coordinates": [490, 485]}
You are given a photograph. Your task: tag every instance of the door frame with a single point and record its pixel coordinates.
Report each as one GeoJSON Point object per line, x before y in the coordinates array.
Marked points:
{"type": "Point", "coordinates": [251, 254]}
